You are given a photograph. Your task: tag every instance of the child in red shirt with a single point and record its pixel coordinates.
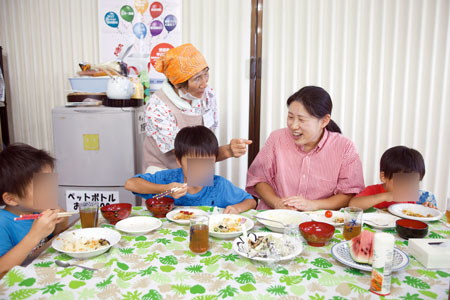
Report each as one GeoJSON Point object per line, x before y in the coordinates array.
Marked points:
{"type": "Point", "coordinates": [408, 167]}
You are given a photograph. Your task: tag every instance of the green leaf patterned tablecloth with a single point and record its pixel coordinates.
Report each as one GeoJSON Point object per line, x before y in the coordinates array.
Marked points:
{"type": "Point", "coordinates": [159, 265]}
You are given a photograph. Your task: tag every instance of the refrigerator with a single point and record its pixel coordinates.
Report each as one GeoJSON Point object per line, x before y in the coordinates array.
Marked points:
{"type": "Point", "coordinates": [97, 149]}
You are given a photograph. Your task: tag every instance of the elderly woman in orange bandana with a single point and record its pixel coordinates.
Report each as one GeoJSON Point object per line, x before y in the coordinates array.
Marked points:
{"type": "Point", "coordinates": [185, 99]}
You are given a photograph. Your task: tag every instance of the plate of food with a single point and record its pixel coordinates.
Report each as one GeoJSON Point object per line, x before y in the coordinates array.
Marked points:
{"type": "Point", "coordinates": [285, 216]}
{"type": "Point", "coordinates": [332, 217]}
{"type": "Point", "coordinates": [86, 242]}
{"type": "Point", "coordinates": [225, 226]}
{"type": "Point", "coordinates": [380, 220]}
{"type": "Point", "coordinates": [268, 247]}
{"type": "Point", "coordinates": [138, 225]}
{"type": "Point", "coordinates": [353, 258]}
{"type": "Point", "coordinates": [182, 216]}
{"type": "Point", "coordinates": [415, 212]}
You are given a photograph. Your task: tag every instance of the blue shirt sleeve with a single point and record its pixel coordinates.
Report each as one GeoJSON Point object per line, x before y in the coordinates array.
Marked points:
{"type": "Point", "coordinates": [229, 194]}
{"type": "Point", "coordinates": [161, 177]}
{"type": "Point", "coordinates": [6, 244]}
{"type": "Point", "coordinates": [425, 196]}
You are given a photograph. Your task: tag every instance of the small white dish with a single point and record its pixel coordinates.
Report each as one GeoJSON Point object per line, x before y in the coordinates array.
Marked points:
{"type": "Point", "coordinates": [430, 214]}
{"type": "Point", "coordinates": [138, 225]}
{"type": "Point", "coordinates": [337, 218]}
{"type": "Point", "coordinates": [218, 219]}
{"type": "Point", "coordinates": [196, 212]}
{"type": "Point", "coordinates": [341, 253]}
{"type": "Point", "coordinates": [112, 236]}
{"type": "Point", "coordinates": [286, 216]}
{"type": "Point", "coordinates": [380, 220]}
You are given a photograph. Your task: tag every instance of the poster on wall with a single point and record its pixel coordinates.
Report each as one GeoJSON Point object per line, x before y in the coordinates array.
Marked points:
{"type": "Point", "coordinates": [151, 28]}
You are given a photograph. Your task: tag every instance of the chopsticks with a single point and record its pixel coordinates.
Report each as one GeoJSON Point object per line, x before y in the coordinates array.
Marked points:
{"type": "Point", "coordinates": [36, 216]}
{"type": "Point", "coordinates": [172, 190]}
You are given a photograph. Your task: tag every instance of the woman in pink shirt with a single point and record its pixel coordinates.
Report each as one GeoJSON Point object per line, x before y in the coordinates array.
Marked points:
{"type": "Point", "coordinates": [309, 165]}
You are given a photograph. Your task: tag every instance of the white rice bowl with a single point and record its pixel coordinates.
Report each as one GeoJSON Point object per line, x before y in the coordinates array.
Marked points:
{"type": "Point", "coordinates": [71, 242]}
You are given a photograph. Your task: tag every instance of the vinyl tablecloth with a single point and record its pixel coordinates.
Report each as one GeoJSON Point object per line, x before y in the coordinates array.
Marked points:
{"type": "Point", "coordinates": [159, 265]}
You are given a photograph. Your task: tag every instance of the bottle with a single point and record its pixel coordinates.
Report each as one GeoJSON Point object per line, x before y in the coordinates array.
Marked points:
{"type": "Point", "coordinates": [383, 254]}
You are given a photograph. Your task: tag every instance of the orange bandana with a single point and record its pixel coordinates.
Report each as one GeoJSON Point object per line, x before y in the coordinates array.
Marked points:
{"type": "Point", "coordinates": [181, 63]}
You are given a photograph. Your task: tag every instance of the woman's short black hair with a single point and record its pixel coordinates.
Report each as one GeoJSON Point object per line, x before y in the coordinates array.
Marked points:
{"type": "Point", "coordinates": [401, 159]}
{"type": "Point", "coordinates": [18, 164]}
{"type": "Point", "coordinates": [317, 103]}
{"type": "Point", "coordinates": [196, 141]}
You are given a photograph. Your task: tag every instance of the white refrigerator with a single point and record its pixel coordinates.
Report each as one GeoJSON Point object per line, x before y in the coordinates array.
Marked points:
{"type": "Point", "coordinates": [97, 149]}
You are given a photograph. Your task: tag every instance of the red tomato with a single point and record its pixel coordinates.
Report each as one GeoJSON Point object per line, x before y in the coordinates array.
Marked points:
{"type": "Point", "coordinates": [328, 214]}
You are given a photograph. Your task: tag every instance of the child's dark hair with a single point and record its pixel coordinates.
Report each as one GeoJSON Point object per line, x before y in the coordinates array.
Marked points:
{"type": "Point", "coordinates": [197, 141]}
{"type": "Point", "coordinates": [317, 102]}
{"type": "Point", "coordinates": [401, 159]}
{"type": "Point", "coordinates": [18, 164]}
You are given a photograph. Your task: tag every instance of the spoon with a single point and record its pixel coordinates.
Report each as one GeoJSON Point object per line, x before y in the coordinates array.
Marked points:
{"type": "Point", "coordinates": [244, 234]}
{"type": "Point", "coordinates": [65, 265]}
{"type": "Point", "coordinates": [378, 224]}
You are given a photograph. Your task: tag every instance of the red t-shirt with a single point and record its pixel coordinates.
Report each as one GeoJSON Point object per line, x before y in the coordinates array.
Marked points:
{"type": "Point", "coordinates": [378, 189]}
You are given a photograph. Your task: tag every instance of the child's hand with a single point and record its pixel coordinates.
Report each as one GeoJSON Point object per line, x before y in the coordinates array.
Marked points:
{"type": "Point", "coordinates": [231, 209]}
{"type": "Point", "coordinates": [45, 225]}
{"type": "Point", "coordinates": [59, 220]}
{"type": "Point", "coordinates": [429, 204]}
{"type": "Point", "coordinates": [182, 189]}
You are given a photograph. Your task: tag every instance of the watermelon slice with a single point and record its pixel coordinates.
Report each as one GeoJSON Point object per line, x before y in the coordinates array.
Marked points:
{"type": "Point", "coordinates": [361, 247]}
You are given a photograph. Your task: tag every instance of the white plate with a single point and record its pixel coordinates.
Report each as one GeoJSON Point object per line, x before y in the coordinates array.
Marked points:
{"type": "Point", "coordinates": [397, 209]}
{"type": "Point", "coordinates": [283, 215]}
{"type": "Point", "coordinates": [112, 236]}
{"type": "Point", "coordinates": [138, 225]}
{"type": "Point", "coordinates": [341, 253]}
{"type": "Point", "coordinates": [215, 220]}
{"type": "Point", "coordinates": [197, 212]}
{"type": "Point", "coordinates": [380, 220]}
{"type": "Point", "coordinates": [320, 217]}
{"type": "Point", "coordinates": [278, 235]}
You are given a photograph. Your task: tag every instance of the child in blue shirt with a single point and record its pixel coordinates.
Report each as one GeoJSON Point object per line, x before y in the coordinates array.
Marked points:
{"type": "Point", "coordinates": [20, 239]}
{"type": "Point", "coordinates": [197, 143]}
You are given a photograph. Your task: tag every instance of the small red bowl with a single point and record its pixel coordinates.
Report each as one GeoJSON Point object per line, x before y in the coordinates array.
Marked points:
{"type": "Point", "coordinates": [116, 212]}
{"type": "Point", "coordinates": [408, 229]}
{"type": "Point", "coordinates": [317, 234]}
{"type": "Point", "coordinates": [160, 207]}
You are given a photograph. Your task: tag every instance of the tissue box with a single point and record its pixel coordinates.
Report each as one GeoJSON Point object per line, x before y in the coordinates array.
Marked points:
{"type": "Point", "coordinates": [432, 253]}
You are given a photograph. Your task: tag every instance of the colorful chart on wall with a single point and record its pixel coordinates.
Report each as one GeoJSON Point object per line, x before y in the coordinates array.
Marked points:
{"type": "Point", "coordinates": [152, 27]}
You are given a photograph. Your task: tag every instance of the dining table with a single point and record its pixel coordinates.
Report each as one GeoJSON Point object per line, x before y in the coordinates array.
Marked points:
{"type": "Point", "coordinates": [159, 265]}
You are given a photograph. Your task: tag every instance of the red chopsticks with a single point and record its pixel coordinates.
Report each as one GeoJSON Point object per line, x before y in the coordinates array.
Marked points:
{"type": "Point", "coordinates": [36, 216]}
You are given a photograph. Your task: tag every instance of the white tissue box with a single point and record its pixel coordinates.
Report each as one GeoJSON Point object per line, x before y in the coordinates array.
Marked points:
{"type": "Point", "coordinates": [432, 253]}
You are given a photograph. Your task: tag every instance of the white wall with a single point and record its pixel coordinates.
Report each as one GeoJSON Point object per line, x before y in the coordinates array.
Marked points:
{"type": "Point", "coordinates": [386, 65]}
{"type": "Point", "coordinates": [44, 40]}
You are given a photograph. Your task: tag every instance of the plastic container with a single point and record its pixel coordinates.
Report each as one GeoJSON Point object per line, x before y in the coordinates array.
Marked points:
{"type": "Point", "coordinates": [89, 84]}
{"type": "Point", "coordinates": [383, 253]}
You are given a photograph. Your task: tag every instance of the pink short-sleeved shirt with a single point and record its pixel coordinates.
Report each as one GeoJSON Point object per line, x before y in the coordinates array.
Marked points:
{"type": "Point", "coordinates": [333, 167]}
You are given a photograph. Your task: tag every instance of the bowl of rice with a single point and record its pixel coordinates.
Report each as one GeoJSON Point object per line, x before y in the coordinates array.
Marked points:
{"type": "Point", "coordinates": [86, 242]}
